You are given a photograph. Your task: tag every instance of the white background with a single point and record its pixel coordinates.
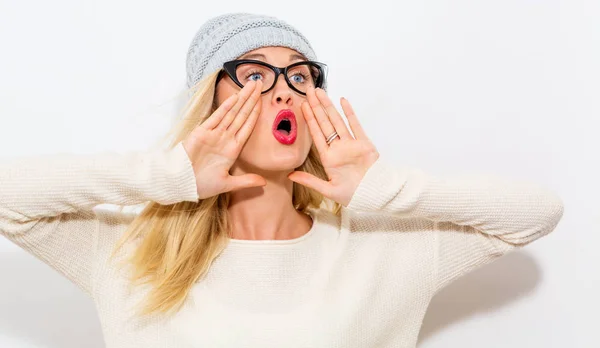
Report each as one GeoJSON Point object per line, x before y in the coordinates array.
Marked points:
{"type": "Point", "coordinates": [509, 87]}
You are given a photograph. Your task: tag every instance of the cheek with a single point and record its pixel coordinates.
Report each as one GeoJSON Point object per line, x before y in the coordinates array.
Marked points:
{"type": "Point", "coordinates": [260, 135]}
{"type": "Point", "coordinates": [225, 88]}
{"type": "Point", "coordinates": [304, 132]}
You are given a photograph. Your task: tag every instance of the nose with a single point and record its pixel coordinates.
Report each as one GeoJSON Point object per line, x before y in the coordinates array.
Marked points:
{"type": "Point", "coordinates": [282, 93]}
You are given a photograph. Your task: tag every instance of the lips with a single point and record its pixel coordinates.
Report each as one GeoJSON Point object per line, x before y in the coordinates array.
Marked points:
{"type": "Point", "coordinates": [284, 121]}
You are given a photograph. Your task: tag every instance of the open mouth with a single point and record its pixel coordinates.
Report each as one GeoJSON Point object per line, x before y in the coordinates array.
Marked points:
{"type": "Point", "coordinates": [285, 127]}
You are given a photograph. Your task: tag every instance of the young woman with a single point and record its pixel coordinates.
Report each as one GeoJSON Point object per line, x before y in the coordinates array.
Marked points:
{"type": "Point", "coordinates": [267, 221]}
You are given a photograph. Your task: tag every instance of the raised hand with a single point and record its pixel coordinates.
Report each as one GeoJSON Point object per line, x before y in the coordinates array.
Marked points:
{"type": "Point", "coordinates": [346, 159]}
{"type": "Point", "coordinates": [214, 145]}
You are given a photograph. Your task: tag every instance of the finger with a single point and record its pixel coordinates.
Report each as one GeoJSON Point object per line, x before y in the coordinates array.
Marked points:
{"type": "Point", "coordinates": [216, 117]}
{"type": "Point", "coordinates": [244, 94]}
{"type": "Point", "coordinates": [246, 129]}
{"type": "Point", "coordinates": [247, 109]}
{"type": "Point", "coordinates": [322, 118]}
{"type": "Point", "coordinates": [311, 181]}
{"type": "Point", "coordinates": [334, 116]}
{"type": "Point", "coordinates": [313, 127]}
{"type": "Point", "coordinates": [355, 126]}
{"type": "Point", "coordinates": [236, 182]}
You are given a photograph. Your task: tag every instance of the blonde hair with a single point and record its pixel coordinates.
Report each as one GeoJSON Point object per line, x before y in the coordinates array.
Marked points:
{"type": "Point", "coordinates": [177, 243]}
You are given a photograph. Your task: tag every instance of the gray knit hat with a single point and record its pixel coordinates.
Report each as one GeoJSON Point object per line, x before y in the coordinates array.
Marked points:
{"type": "Point", "coordinates": [230, 36]}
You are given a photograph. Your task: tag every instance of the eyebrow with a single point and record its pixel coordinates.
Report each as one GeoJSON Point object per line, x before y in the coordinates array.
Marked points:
{"type": "Point", "coordinates": [262, 57]}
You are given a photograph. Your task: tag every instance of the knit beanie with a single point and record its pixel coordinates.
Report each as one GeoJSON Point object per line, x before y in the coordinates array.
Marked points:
{"type": "Point", "coordinates": [231, 35]}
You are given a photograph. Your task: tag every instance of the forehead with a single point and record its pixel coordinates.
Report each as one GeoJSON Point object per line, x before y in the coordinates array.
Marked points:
{"type": "Point", "coordinates": [274, 55]}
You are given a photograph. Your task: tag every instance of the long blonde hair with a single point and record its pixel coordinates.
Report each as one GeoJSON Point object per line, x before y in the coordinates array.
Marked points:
{"type": "Point", "coordinates": [178, 242]}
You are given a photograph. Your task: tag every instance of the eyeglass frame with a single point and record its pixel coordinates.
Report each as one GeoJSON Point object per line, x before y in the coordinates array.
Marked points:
{"type": "Point", "coordinates": [230, 68]}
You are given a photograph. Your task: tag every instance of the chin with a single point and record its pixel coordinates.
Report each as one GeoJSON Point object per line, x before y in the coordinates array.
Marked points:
{"type": "Point", "coordinates": [278, 158]}
{"type": "Point", "coordinates": [284, 162]}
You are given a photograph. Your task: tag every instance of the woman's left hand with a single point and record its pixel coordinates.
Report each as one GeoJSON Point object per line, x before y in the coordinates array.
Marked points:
{"type": "Point", "coordinates": [346, 159]}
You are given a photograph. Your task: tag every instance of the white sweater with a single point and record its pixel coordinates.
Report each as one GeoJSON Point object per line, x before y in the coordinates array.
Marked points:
{"type": "Point", "coordinates": [364, 280]}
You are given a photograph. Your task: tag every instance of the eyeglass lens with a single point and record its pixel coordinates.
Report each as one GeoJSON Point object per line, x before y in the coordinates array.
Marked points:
{"type": "Point", "coordinates": [301, 76]}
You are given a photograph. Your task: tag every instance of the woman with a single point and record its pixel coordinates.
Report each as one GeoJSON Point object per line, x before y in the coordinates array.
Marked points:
{"type": "Point", "coordinates": [268, 222]}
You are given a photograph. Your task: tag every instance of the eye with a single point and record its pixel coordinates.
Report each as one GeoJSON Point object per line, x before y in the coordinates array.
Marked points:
{"type": "Point", "coordinates": [254, 75]}
{"type": "Point", "coordinates": [298, 78]}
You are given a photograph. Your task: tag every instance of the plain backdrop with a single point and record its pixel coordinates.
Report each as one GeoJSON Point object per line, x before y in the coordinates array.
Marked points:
{"type": "Point", "coordinates": [452, 86]}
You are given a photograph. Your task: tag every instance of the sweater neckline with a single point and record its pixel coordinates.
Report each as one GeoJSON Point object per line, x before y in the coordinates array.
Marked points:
{"type": "Point", "coordinates": [291, 241]}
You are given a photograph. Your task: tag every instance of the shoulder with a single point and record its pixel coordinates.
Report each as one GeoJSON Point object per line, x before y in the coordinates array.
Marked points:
{"type": "Point", "coordinates": [373, 224]}
{"type": "Point", "coordinates": [368, 222]}
{"type": "Point", "coordinates": [113, 223]}
{"type": "Point", "coordinates": [356, 232]}
{"type": "Point", "coordinates": [385, 246]}
{"type": "Point", "coordinates": [113, 215]}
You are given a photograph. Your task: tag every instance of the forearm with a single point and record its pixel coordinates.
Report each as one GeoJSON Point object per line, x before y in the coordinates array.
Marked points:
{"type": "Point", "coordinates": [517, 212]}
{"type": "Point", "coordinates": [46, 186]}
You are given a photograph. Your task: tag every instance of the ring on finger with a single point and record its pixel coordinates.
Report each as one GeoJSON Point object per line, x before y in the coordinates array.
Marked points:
{"type": "Point", "coordinates": [332, 137]}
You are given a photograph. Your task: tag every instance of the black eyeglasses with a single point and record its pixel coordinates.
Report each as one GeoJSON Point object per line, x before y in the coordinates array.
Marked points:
{"type": "Point", "coordinates": [299, 76]}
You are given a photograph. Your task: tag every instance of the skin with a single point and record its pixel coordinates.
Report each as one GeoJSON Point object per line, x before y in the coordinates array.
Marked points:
{"type": "Point", "coordinates": [266, 212]}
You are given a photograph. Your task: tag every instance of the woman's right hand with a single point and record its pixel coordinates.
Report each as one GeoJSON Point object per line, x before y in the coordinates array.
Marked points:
{"type": "Point", "coordinates": [214, 145]}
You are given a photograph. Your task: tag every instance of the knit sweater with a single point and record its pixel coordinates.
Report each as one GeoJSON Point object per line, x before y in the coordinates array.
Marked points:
{"type": "Point", "coordinates": [361, 279]}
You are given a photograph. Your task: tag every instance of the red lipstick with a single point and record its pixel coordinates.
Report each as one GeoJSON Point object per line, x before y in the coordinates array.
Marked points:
{"type": "Point", "coordinates": [285, 127]}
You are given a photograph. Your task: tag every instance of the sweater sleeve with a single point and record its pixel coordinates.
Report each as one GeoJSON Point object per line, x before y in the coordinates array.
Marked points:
{"type": "Point", "coordinates": [46, 202]}
{"type": "Point", "coordinates": [477, 218]}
